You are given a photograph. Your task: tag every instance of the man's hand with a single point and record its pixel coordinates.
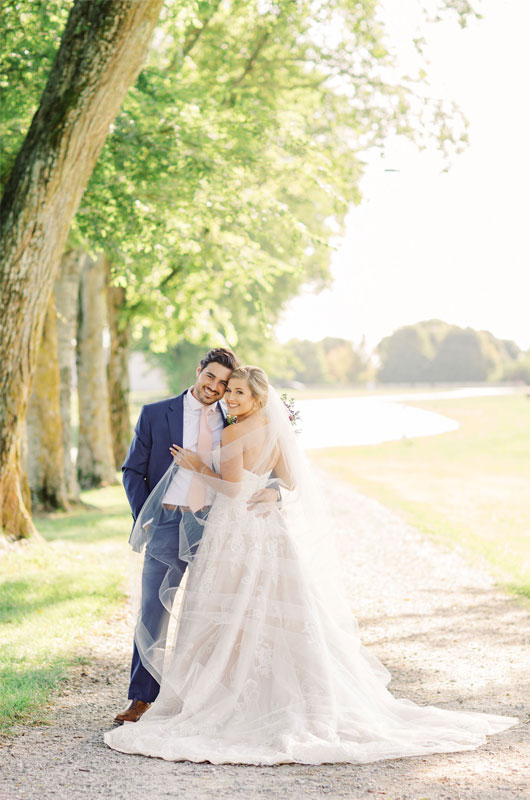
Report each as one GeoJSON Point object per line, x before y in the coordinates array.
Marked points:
{"type": "Point", "coordinates": [263, 501]}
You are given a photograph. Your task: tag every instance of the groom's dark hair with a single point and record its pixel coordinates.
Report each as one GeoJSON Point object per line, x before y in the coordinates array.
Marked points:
{"type": "Point", "coordinates": [222, 355]}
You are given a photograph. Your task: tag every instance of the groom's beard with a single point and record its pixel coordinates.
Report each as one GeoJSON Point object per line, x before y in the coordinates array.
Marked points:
{"type": "Point", "coordinates": [205, 397]}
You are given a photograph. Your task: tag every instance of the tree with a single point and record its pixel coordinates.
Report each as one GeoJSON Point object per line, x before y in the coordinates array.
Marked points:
{"type": "Point", "coordinates": [66, 292]}
{"type": "Point", "coordinates": [44, 424]}
{"type": "Point", "coordinates": [405, 356]}
{"type": "Point", "coordinates": [100, 55]}
{"type": "Point", "coordinates": [239, 143]}
{"type": "Point", "coordinates": [118, 373]}
{"type": "Point", "coordinates": [464, 355]}
{"type": "Point", "coordinates": [310, 361]}
{"type": "Point", "coordinates": [95, 458]}
{"type": "Point", "coordinates": [518, 370]}
{"type": "Point", "coordinates": [345, 362]}
{"type": "Point", "coordinates": [433, 350]}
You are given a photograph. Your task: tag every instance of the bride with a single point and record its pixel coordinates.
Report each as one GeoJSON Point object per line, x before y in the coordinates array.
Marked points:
{"type": "Point", "coordinates": [267, 666]}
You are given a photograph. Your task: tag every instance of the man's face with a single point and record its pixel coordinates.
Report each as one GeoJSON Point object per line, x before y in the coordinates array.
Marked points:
{"type": "Point", "coordinates": [211, 383]}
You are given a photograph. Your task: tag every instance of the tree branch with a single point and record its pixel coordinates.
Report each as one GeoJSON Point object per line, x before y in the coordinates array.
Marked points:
{"type": "Point", "coordinates": [251, 60]}
{"type": "Point", "coordinates": [191, 38]}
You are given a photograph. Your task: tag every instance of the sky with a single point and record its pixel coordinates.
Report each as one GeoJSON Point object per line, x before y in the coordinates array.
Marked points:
{"type": "Point", "coordinates": [429, 244]}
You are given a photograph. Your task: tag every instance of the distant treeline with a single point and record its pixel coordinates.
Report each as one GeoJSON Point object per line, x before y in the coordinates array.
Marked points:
{"type": "Point", "coordinates": [434, 351]}
{"type": "Point", "coordinates": [431, 351]}
{"type": "Point", "coordinates": [331, 361]}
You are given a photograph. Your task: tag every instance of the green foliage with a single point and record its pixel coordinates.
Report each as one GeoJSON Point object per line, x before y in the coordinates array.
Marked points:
{"type": "Point", "coordinates": [310, 361]}
{"type": "Point", "coordinates": [180, 362]}
{"type": "Point", "coordinates": [405, 356]}
{"type": "Point", "coordinates": [465, 355]}
{"type": "Point", "coordinates": [31, 33]}
{"type": "Point", "coordinates": [218, 184]}
{"type": "Point", "coordinates": [240, 143]}
{"type": "Point", "coordinates": [433, 350]}
{"type": "Point", "coordinates": [330, 361]}
{"type": "Point", "coordinates": [232, 162]}
{"type": "Point", "coordinates": [518, 369]}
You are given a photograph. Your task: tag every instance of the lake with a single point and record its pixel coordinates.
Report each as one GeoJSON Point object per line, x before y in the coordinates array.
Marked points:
{"type": "Point", "coordinates": [349, 421]}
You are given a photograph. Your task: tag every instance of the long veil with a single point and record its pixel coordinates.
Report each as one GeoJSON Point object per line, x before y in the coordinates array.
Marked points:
{"type": "Point", "coordinates": [303, 511]}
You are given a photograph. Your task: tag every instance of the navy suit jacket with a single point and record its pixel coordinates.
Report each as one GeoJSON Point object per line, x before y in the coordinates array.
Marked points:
{"type": "Point", "coordinates": [159, 426]}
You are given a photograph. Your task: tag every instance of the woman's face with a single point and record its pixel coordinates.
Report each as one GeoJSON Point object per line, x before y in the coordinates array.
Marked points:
{"type": "Point", "coordinates": [239, 399]}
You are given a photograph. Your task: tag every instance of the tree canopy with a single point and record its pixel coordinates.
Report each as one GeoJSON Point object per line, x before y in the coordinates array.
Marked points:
{"type": "Point", "coordinates": [235, 155]}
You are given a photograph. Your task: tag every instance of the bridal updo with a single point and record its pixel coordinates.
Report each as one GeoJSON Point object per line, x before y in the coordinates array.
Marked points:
{"type": "Point", "coordinates": [257, 381]}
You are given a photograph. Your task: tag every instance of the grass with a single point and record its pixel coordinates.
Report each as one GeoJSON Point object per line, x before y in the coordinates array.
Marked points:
{"type": "Point", "coordinates": [469, 487]}
{"type": "Point", "coordinates": [52, 593]}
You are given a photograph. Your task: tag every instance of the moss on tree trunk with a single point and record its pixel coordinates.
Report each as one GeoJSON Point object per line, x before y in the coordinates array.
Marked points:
{"type": "Point", "coordinates": [66, 293]}
{"type": "Point", "coordinates": [118, 374]}
{"type": "Point", "coordinates": [44, 425]}
{"type": "Point", "coordinates": [95, 459]}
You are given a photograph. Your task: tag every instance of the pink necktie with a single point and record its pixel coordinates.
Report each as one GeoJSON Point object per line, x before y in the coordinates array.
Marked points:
{"type": "Point", "coordinates": [197, 492]}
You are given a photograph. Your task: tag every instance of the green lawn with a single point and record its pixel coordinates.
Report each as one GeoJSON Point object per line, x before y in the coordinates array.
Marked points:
{"type": "Point", "coordinates": [470, 487]}
{"type": "Point", "coordinates": [52, 593]}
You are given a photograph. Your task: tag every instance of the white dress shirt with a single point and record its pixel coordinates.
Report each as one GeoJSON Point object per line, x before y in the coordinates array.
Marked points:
{"type": "Point", "coordinates": [177, 493]}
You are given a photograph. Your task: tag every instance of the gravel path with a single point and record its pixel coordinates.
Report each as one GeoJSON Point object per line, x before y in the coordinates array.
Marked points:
{"type": "Point", "coordinates": [445, 632]}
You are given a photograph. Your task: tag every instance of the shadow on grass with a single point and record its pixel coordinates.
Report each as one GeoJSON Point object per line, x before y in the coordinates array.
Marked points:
{"type": "Point", "coordinates": [85, 526]}
{"type": "Point", "coordinates": [19, 600]}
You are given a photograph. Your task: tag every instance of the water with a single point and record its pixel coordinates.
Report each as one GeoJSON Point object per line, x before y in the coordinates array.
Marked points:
{"type": "Point", "coordinates": [349, 421]}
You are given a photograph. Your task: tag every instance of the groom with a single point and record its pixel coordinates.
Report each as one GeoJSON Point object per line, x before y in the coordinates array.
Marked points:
{"type": "Point", "coordinates": [160, 425]}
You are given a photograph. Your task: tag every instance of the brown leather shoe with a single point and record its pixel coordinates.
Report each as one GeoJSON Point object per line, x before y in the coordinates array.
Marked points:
{"type": "Point", "coordinates": [133, 712]}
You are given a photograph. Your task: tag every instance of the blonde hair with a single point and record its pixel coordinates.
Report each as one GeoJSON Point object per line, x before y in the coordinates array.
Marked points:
{"type": "Point", "coordinates": [257, 380]}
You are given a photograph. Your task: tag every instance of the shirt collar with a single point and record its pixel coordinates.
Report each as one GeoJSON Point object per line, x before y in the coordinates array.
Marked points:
{"type": "Point", "coordinates": [195, 406]}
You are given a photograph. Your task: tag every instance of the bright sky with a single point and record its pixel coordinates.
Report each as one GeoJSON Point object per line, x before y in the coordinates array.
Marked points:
{"type": "Point", "coordinates": [425, 244]}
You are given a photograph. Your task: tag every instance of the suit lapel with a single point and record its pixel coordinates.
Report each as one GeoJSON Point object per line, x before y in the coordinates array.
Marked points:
{"type": "Point", "coordinates": [175, 419]}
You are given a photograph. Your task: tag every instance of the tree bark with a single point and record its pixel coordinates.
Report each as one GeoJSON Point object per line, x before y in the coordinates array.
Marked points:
{"type": "Point", "coordinates": [118, 374]}
{"type": "Point", "coordinates": [44, 425]}
{"type": "Point", "coordinates": [15, 495]}
{"type": "Point", "coordinates": [100, 55]}
{"type": "Point", "coordinates": [95, 459]}
{"type": "Point", "coordinates": [66, 301]}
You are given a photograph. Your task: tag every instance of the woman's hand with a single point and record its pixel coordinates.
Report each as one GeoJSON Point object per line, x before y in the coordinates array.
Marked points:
{"type": "Point", "coordinates": [186, 458]}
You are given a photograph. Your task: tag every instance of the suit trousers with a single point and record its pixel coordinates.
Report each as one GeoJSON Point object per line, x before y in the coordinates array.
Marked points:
{"type": "Point", "coordinates": [155, 616]}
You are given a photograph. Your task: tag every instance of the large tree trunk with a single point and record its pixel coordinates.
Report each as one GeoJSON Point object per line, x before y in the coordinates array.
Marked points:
{"type": "Point", "coordinates": [66, 301]}
{"type": "Point", "coordinates": [44, 425]}
{"type": "Point", "coordinates": [95, 459]}
{"type": "Point", "coordinates": [100, 55]}
{"type": "Point", "coordinates": [118, 374]}
{"type": "Point", "coordinates": [15, 503]}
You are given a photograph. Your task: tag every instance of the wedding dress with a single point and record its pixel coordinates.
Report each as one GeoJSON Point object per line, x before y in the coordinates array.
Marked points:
{"type": "Point", "coordinates": [267, 669]}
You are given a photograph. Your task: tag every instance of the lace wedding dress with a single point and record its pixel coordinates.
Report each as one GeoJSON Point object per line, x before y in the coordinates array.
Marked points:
{"type": "Point", "coordinates": [261, 673]}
